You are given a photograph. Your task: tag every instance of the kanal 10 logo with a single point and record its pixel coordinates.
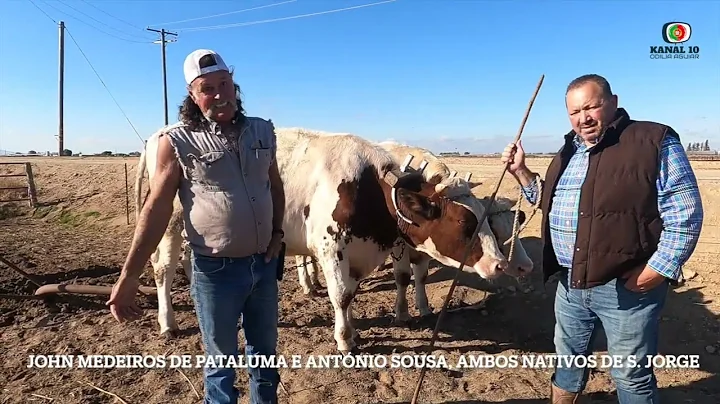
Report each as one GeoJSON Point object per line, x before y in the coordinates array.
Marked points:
{"type": "Point", "coordinates": [676, 32]}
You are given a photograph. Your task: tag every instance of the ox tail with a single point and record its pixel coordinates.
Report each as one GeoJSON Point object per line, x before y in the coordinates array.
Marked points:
{"type": "Point", "coordinates": [139, 176]}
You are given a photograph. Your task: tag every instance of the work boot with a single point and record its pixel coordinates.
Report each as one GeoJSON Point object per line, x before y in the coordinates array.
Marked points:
{"type": "Point", "coordinates": [560, 396]}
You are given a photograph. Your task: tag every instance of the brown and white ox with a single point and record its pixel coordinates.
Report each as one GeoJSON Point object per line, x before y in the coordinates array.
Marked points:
{"type": "Point", "coordinates": [344, 208]}
{"type": "Point", "coordinates": [408, 261]}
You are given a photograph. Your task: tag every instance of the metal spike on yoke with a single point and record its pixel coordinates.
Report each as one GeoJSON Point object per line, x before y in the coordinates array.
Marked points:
{"type": "Point", "coordinates": [406, 163]}
{"type": "Point", "coordinates": [423, 164]}
{"type": "Point", "coordinates": [472, 243]}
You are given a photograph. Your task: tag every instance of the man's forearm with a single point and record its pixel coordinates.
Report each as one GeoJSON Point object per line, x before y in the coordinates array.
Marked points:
{"type": "Point", "coordinates": [681, 210]}
{"type": "Point", "coordinates": [524, 176]}
{"type": "Point", "coordinates": [526, 179]}
{"type": "Point", "coordinates": [152, 223]}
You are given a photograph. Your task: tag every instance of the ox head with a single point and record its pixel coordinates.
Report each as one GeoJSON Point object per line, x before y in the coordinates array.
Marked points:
{"type": "Point", "coordinates": [501, 218]}
{"type": "Point", "coordinates": [443, 225]}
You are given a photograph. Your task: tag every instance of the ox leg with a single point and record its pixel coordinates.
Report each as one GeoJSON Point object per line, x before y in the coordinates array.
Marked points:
{"type": "Point", "coordinates": [349, 318]}
{"type": "Point", "coordinates": [186, 262]}
{"type": "Point", "coordinates": [305, 283]}
{"type": "Point", "coordinates": [420, 273]}
{"type": "Point", "coordinates": [341, 290]}
{"type": "Point", "coordinates": [164, 261]}
{"type": "Point", "coordinates": [313, 271]}
{"type": "Point", "coordinates": [401, 270]}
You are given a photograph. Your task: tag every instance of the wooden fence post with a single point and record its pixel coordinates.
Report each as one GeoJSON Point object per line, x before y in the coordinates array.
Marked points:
{"type": "Point", "coordinates": [32, 193]}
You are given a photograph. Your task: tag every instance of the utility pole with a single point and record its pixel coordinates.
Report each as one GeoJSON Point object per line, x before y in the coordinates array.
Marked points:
{"type": "Point", "coordinates": [163, 41]}
{"type": "Point", "coordinates": [61, 88]}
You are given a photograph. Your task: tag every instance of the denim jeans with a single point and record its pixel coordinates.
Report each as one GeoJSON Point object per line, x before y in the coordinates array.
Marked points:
{"type": "Point", "coordinates": [225, 290]}
{"type": "Point", "coordinates": [630, 320]}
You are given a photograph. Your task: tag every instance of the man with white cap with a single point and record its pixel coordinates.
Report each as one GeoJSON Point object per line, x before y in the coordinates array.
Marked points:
{"type": "Point", "coordinates": [222, 165]}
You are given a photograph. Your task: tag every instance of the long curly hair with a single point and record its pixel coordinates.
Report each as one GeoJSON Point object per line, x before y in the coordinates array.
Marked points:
{"type": "Point", "coordinates": [190, 114]}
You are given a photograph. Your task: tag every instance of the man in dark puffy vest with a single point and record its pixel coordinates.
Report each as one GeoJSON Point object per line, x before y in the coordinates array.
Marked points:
{"type": "Point", "coordinates": [621, 214]}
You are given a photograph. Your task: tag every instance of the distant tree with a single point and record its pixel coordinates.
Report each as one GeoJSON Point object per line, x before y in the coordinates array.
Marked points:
{"type": "Point", "coordinates": [67, 152]}
{"type": "Point", "coordinates": [32, 152]}
{"type": "Point", "coordinates": [689, 147]}
{"type": "Point", "coordinates": [466, 153]}
{"type": "Point", "coordinates": [707, 145]}
{"type": "Point", "coordinates": [107, 153]}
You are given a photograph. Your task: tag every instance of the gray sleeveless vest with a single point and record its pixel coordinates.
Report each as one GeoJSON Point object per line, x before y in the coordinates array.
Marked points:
{"type": "Point", "coordinates": [227, 205]}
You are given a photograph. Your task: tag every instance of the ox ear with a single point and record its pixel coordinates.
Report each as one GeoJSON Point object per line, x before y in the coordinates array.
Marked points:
{"type": "Point", "coordinates": [473, 184]}
{"type": "Point", "coordinates": [418, 205]}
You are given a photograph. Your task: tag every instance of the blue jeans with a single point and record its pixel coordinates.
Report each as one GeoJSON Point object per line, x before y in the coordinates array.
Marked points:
{"type": "Point", "coordinates": [225, 290]}
{"type": "Point", "coordinates": [630, 321]}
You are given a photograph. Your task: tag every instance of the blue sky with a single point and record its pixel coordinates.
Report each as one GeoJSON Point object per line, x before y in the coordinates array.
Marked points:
{"type": "Point", "coordinates": [444, 74]}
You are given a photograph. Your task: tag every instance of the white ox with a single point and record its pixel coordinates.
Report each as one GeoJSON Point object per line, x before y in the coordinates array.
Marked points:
{"type": "Point", "coordinates": [410, 261]}
{"type": "Point", "coordinates": [344, 208]}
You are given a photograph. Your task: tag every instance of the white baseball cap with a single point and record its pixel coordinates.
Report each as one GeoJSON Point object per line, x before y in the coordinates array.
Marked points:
{"type": "Point", "coordinates": [193, 68]}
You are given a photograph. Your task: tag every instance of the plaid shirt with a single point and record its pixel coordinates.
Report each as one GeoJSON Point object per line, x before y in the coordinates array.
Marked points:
{"type": "Point", "coordinates": [679, 204]}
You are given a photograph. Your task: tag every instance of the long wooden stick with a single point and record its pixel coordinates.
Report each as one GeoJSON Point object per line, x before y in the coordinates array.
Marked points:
{"type": "Point", "coordinates": [20, 271]}
{"type": "Point", "coordinates": [472, 243]}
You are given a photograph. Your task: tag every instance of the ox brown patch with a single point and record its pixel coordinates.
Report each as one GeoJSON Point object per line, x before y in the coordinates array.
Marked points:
{"type": "Point", "coordinates": [306, 211]}
{"type": "Point", "coordinates": [362, 212]}
{"type": "Point", "coordinates": [445, 235]}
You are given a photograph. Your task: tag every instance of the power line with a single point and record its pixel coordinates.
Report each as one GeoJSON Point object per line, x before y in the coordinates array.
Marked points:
{"type": "Point", "coordinates": [96, 20]}
{"type": "Point", "coordinates": [96, 28]}
{"type": "Point", "coordinates": [243, 24]}
{"type": "Point", "coordinates": [103, 83]}
{"type": "Point", "coordinates": [228, 13]}
{"type": "Point", "coordinates": [110, 15]}
{"type": "Point", "coordinates": [42, 11]}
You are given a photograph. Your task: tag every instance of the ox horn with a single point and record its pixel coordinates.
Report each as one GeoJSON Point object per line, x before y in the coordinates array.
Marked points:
{"type": "Point", "coordinates": [393, 196]}
{"type": "Point", "coordinates": [468, 176]}
{"type": "Point", "coordinates": [453, 173]}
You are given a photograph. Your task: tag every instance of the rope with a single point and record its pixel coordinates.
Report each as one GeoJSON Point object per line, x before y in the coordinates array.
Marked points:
{"type": "Point", "coordinates": [472, 244]}
{"type": "Point", "coordinates": [536, 206]}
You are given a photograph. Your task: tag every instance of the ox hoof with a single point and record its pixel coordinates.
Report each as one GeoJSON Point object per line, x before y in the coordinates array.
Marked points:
{"type": "Point", "coordinates": [426, 313]}
{"type": "Point", "coordinates": [425, 322]}
{"type": "Point", "coordinates": [353, 351]}
{"type": "Point", "coordinates": [170, 334]}
{"type": "Point", "coordinates": [402, 320]}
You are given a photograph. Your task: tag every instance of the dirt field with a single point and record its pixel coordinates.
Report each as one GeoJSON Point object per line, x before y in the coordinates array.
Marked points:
{"type": "Point", "coordinates": [79, 234]}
